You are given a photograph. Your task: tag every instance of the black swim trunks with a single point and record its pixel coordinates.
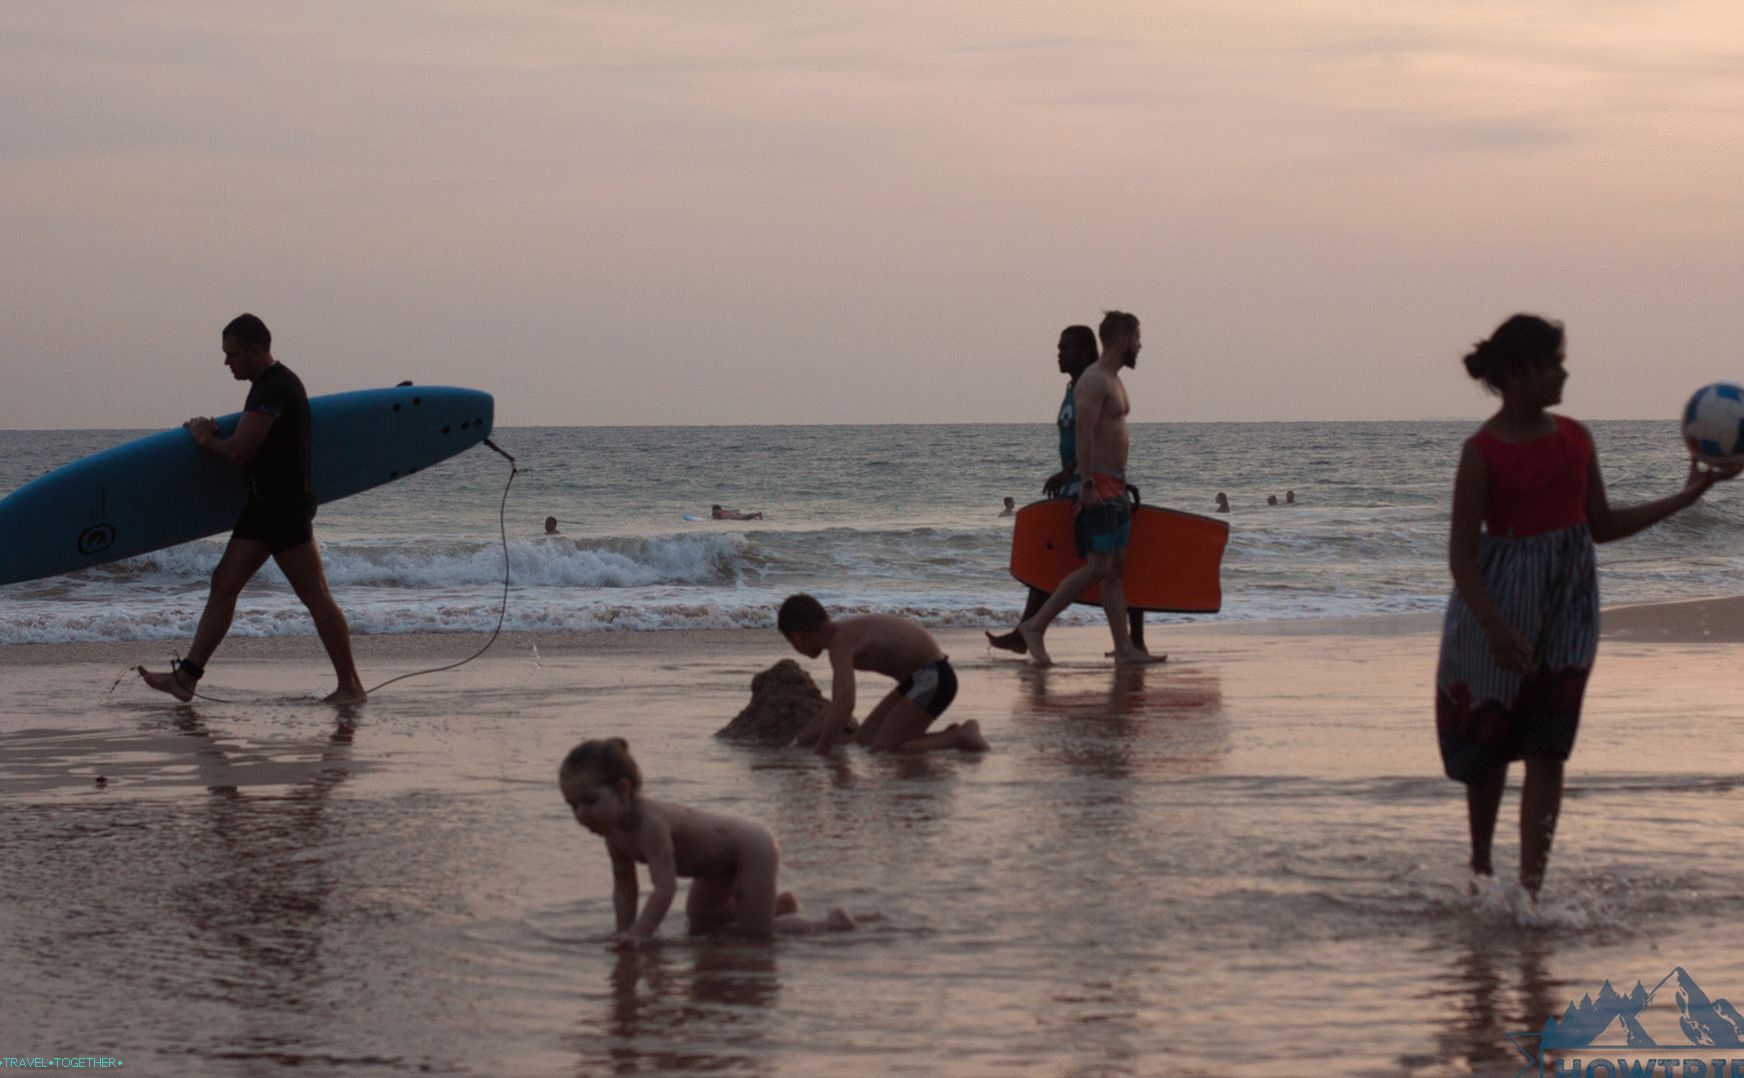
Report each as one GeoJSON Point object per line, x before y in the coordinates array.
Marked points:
{"type": "Point", "coordinates": [933, 687]}
{"type": "Point", "coordinates": [280, 525]}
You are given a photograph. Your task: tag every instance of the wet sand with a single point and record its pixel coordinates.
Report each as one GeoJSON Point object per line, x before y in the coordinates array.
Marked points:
{"type": "Point", "coordinates": [1244, 861]}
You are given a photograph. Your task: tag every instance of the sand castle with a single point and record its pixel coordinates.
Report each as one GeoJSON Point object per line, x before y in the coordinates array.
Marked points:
{"type": "Point", "coordinates": [783, 699]}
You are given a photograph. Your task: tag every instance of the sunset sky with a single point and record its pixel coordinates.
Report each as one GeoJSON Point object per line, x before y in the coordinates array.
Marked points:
{"type": "Point", "coordinates": [647, 211]}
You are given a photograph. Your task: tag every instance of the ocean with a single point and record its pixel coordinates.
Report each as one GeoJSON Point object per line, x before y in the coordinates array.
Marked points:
{"type": "Point", "coordinates": [902, 519]}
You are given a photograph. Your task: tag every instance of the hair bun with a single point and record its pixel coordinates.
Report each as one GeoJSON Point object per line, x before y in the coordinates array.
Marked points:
{"type": "Point", "coordinates": [1477, 361]}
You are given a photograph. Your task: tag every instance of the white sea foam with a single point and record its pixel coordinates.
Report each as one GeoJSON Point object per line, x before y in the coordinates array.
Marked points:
{"type": "Point", "coordinates": [376, 611]}
{"type": "Point", "coordinates": [439, 563]}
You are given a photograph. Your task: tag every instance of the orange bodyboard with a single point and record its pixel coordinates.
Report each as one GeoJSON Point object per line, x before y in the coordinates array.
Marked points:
{"type": "Point", "coordinates": [1173, 562]}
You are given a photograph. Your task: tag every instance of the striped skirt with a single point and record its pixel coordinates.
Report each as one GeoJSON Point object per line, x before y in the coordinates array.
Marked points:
{"type": "Point", "coordinates": [1546, 586]}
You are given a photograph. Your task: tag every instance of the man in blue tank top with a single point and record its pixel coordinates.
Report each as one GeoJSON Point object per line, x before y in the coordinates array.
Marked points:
{"type": "Point", "coordinates": [271, 446]}
{"type": "Point", "coordinates": [1103, 524]}
{"type": "Point", "coordinates": [1076, 351]}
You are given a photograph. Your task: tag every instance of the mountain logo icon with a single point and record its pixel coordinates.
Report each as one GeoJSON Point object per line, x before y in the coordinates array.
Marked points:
{"type": "Point", "coordinates": [1675, 1015]}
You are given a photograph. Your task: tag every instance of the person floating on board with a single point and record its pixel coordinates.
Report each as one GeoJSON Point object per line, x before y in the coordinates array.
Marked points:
{"type": "Point", "coordinates": [1522, 625]}
{"type": "Point", "coordinates": [1076, 352]}
{"type": "Point", "coordinates": [1104, 521]}
{"type": "Point", "coordinates": [733, 514]}
{"type": "Point", "coordinates": [888, 645]}
{"type": "Point", "coordinates": [271, 446]}
{"type": "Point", "coordinates": [731, 862]}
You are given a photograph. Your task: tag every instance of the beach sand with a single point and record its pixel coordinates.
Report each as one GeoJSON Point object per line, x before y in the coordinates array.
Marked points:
{"type": "Point", "coordinates": [1245, 861]}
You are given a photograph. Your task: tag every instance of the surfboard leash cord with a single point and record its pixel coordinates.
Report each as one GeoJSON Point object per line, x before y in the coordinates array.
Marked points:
{"type": "Point", "coordinates": [502, 610]}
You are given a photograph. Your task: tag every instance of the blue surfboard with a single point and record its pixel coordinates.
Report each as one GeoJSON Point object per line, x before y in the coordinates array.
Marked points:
{"type": "Point", "coordinates": [163, 489]}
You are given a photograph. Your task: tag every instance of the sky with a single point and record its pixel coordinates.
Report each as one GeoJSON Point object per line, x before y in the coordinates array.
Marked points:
{"type": "Point", "coordinates": [865, 211]}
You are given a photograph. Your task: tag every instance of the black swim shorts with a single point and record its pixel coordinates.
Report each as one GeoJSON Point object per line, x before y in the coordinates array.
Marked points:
{"type": "Point", "coordinates": [280, 525]}
{"type": "Point", "coordinates": [933, 687]}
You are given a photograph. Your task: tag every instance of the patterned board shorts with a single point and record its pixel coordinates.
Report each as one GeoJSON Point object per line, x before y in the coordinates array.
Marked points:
{"type": "Point", "coordinates": [1104, 528]}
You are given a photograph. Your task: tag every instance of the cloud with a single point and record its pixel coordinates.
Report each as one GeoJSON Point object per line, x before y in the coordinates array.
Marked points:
{"type": "Point", "coordinates": [1453, 135]}
{"type": "Point", "coordinates": [560, 195]}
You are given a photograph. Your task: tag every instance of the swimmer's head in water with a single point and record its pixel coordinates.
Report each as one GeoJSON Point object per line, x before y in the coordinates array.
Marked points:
{"type": "Point", "coordinates": [802, 620]}
{"type": "Point", "coordinates": [1010, 501]}
{"type": "Point", "coordinates": [550, 525]}
{"type": "Point", "coordinates": [600, 781]}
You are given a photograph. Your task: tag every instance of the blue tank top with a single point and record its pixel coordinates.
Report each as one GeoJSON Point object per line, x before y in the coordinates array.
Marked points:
{"type": "Point", "coordinates": [1068, 424]}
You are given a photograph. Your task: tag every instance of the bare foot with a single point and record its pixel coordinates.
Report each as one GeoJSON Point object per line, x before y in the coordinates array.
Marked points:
{"type": "Point", "coordinates": [969, 737]}
{"type": "Point", "coordinates": [839, 921]}
{"type": "Point", "coordinates": [1134, 658]}
{"type": "Point", "coordinates": [786, 903]}
{"type": "Point", "coordinates": [351, 695]}
{"type": "Point", "coordinates": [1032, 639]}
{"type": "Point", "coordinates": [1011, 641]}
{"type": "Point", "coordinates": [174, 682]}
{"type": "Point", "coordinates": [1136, 646]}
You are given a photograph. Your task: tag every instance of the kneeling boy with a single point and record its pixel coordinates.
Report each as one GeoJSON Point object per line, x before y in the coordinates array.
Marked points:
{"type": "Point", "coordinates": [888, 645]}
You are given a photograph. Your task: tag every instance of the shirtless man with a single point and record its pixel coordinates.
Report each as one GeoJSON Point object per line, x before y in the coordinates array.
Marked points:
{"type": "Point", "coordinates": [270, 446]}
{"type": "Point", "coordinates": [1076, 353]}
{"type": "Point", "coordinates": [888, 645]}
{"type": "Point", "coordinates": [1104, 521]}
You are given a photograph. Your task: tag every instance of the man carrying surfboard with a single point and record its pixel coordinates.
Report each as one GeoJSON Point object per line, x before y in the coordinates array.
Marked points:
{"type": "Point", "coordinates": [1104, 521]}
{"type": "Point", "coordinates": [271, 446]}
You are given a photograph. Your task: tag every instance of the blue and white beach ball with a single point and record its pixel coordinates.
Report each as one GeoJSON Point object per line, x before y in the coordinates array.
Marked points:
{"type": "Point", "coordinates": [1713, 423]}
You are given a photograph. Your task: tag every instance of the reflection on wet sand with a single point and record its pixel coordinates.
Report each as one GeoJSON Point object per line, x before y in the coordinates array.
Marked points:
{"type": "Point", "coordinates": [1130, 722]}
{"type": "Point", "coordinates": [712, 1016]}
{"type": "Point", "coordinates": [255, 901]}
{"type": "Point", "coordinates": [896, 803]}
{"type": "Point", "coordinates": [226, 769]}
{"type": "Point", "coordinates": [1098, 744]}
{"type": "Point", "coordinates": [1497, 982]}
